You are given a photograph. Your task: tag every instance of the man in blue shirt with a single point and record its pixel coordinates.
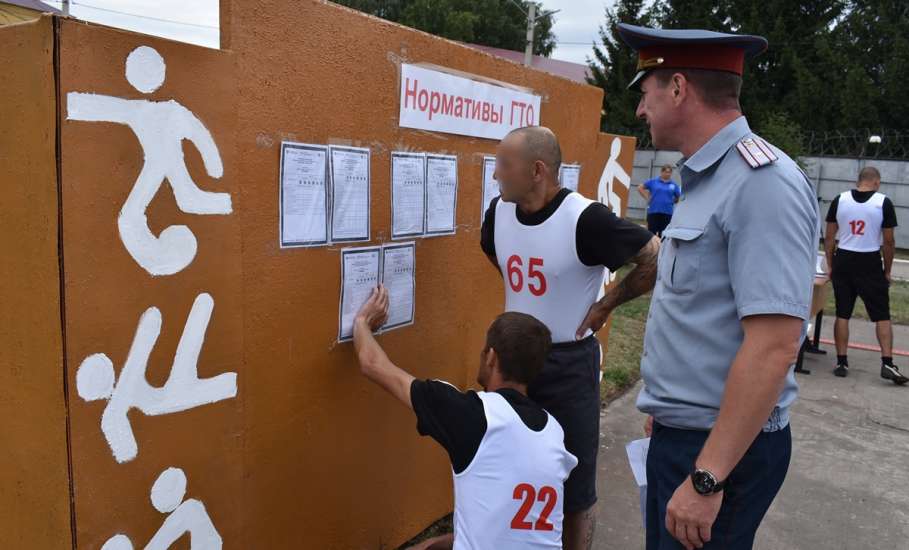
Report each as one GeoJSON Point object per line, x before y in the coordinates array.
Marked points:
{"type": "Point", "coordinates": [661, 195]}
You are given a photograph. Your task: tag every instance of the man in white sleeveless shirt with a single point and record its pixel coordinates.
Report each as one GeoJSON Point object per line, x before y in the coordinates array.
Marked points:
{"type": "Point", "coordinates": [552, 247]}
{"type": "Point", "coordinates": [507, 454]}
{"type": "Point", "coordinates": [860, 226]}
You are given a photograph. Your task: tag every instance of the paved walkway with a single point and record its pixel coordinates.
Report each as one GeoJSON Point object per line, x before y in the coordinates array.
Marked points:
{"type": "Point", "coordinates": [901, 269]}
{"type": "Point", "coordinates": [848, 484]}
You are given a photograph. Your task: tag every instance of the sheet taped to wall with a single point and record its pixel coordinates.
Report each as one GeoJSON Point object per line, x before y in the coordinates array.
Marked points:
{"type": "Point", "coordinates": [363, 269]}
{"type": "Point", "coordinates": [441, 194]}
{"type": "Point", "coordinates": [570, 176]}
{"type": "Point", "coordinates": [350, 192]}
{"type": "Point", "coordinates": [303, 195]}
{"type": "Point", "coordinates": [490, 185]}
{"type": "Point", "coordinates": [408, 194]}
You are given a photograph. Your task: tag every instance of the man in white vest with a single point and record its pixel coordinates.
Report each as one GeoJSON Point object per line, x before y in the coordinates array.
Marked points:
{"type": "Point", "coordinates": [860, 244]}
{"type": "Point", "coordinates": [507, 454]}
{"type": "Point", "coordinates": [552, 247]}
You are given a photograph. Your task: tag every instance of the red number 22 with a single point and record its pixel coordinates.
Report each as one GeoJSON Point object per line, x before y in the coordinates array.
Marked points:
{"type": "Point", "coordinates": [526, 492]}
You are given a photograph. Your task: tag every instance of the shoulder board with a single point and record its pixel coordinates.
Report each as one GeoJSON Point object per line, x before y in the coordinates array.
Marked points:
{"type": "Point", "coordinates": [756, 152]}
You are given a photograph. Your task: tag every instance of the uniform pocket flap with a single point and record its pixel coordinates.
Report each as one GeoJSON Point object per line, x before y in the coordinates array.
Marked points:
{"type": "Point", "coordinates": [683, 233]}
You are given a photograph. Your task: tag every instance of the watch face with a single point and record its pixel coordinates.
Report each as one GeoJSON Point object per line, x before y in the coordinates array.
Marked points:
{"type": "Point", "coordinates": [704, 482]}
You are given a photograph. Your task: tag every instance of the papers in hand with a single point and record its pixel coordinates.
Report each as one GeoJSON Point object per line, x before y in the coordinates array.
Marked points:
{"type": "Point", "coordinates": [637, 459]}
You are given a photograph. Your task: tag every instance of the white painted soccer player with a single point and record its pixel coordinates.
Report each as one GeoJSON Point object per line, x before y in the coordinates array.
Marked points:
{"type": "Point", "coordinates": [188, 516]}
{"type": "Point", "coordinates": [606, 191]}
{"type": "Point", "coordinates": [95, 379]}
{"type": "Point", "coordinates": [161, 127]}
{"type": "Point", "coordinates": [611, 172]}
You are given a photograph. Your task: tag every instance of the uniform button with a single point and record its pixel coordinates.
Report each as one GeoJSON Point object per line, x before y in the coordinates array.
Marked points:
{"type": "Point", "coordinates": [645, 353]}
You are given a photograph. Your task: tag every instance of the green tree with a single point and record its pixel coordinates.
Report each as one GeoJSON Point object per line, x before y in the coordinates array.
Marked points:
{"type": "Point", "coordinates": [789, 79]}
{"type": "Point", "coordinates": [613, 66]}
{"type": "Point", "coordinates": [874, 37]}
{"type": "Point", "coordinates": [496, 23]}
{"type": "Point", "coordinates": [831, 64]}
{"type": "Point", "coordinates": [780, 130]}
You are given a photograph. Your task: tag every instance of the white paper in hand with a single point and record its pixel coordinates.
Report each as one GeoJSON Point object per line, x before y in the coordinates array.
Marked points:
{"type": "Point", "coordinates": [637, 459]}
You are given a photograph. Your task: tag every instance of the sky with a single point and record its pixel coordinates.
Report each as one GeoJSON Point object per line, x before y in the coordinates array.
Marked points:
{"type": "Point", "coordinates": [576, 27]}
{"type": "Point", "coordinates": [193, 21]}
{"type": "Point", "coordinates": [196, 21]}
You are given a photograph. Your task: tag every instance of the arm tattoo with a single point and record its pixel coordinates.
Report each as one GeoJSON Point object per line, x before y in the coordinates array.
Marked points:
{"type": "Point", "coordinates": [591, 527]}
{"type": "Point", "coordinates": [639, 280]}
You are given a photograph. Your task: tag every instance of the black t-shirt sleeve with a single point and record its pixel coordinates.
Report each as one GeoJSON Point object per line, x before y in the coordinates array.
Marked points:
{"type": "Point", "coordinates": [487, 231]}
{"type": "Point", "coordinates": [605, 239]}
{"type": "Point", "coordinates": [889, 214]}
{"type": "Point", "coordinates": [831, 212]}
{"type": "Point", "coordinates": [455, 419]}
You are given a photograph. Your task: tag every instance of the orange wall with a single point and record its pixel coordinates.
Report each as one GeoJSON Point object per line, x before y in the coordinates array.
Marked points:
{"type": "Point", "coordinates": [34, 482]}
{"type": "Point", "coordinates": [315, 72]}
{"type": "Point", "coordinates": [107, 291]}
{"type": "Point", "coordinates": [308, 455]}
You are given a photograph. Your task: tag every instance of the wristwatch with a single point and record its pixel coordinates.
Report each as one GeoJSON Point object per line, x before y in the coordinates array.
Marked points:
{"type": "Point", "coordinates": [705, 483]}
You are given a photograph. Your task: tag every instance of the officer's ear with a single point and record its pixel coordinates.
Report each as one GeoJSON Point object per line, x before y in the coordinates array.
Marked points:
{"type": "Point", "coordinates": [679, 87]}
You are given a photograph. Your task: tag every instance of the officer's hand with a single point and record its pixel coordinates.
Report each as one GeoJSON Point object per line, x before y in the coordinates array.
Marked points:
{"type": "Point", "coordinates": [375, 311]}
{"type": "Point", "coordinates": [888, 276]}
{"type": "Point", "coordinates": [594, 321]}
{"type": "Point", "coordinates": [648, 426]}
{"type": "Point", "coordinates": [690, 516]}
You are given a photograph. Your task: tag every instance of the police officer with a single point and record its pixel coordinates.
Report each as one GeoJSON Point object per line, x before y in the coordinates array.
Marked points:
{"type": "Point", "coordinates": [860, 245]}
{"type": "Point", "coordinates": [733, 291]}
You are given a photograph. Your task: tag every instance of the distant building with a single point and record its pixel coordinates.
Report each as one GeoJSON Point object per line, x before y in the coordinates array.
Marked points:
{"type": "Point", "coordinates": [17, 11]}
{"type": "Point", "coordinates": [566, 69]}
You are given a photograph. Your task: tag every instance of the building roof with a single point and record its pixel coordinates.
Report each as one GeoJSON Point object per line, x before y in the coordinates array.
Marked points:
{"type": "Point", "coordinates": [32, 5]}
{"type": "Point", "coordinates": [572, 71]}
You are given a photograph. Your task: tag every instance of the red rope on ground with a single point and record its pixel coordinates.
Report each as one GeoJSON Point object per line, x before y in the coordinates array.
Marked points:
{"type": "Point", "coordinates": [867, 347]}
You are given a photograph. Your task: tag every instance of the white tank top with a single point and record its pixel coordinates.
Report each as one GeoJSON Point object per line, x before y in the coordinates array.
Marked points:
{"type": "Point", "coordinates": [510, 496]}
{"type": "Point", "coordinates": [859, 223]}
{"type": "Point", "coordinates": [542, 272]}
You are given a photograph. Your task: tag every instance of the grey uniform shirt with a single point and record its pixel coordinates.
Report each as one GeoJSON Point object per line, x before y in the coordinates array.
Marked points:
{"type": "Point", "coordinates": [742, 241]}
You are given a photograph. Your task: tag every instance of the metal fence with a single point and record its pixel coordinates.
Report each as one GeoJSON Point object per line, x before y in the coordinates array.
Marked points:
{"type": "Point", "coordinates": [866, 143]}
{"type": "Point", "coordinates": [830, 176]}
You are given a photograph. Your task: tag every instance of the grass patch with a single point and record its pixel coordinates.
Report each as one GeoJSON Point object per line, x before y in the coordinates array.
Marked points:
{"type": "Point", "coordinates": [626, 343]}
{"type": "Point", "coordinates": [899, 304]}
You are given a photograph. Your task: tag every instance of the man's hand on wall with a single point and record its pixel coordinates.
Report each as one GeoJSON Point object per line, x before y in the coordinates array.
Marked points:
{"type": "Point", "coordinates": [375, 311]}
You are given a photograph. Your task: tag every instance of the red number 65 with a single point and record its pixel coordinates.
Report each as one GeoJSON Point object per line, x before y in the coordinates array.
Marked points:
{"type": "Point", "coordinates": [516, 275]}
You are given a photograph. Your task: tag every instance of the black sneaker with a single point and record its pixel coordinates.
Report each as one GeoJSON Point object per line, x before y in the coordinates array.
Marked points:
{"type": "Point", "coordinates": [892, 372]}
{"type": "Point", "coordinates": [842, 371]}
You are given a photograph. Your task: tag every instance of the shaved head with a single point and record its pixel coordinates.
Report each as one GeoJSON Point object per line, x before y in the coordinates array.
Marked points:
{"type": "Point", "coordinates": [527, 164]}
{"type": "Point", "coordinates": [539, 143]}
{"type": "Point", "coordinates": [869, 173]}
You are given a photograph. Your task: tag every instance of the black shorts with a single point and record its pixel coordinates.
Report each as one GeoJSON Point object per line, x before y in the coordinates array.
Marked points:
{"type": "Point", "coordinates": [860, 274]}
{"type": "Point", "coordinates": [569, 389]}
{"type": "Point", "coordinates": [657, 222]}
